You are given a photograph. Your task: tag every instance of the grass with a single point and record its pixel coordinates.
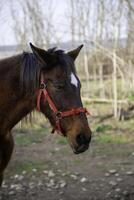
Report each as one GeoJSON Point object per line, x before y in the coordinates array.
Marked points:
{"type": "Point", "coordinates": [131, 97]}
{"type": "Point", "coordinates": [28, 166]}
{"type": "Point", "coordinates": [111, 131]}
{"type": "Point", "coordinates": [114, 131]}
{"type": "Point", "coordinates": [114, 138]}
{"type": "Point", "coordinates": [62, 141]}
{"type": "Point", "coordinates": [102, 128]}
{"type": "Point", "coordinates": [110, 149]}
{"type": "Point", "coordinates": [25, 140]}
{"type": "Point", "coordinates": [33, 136]}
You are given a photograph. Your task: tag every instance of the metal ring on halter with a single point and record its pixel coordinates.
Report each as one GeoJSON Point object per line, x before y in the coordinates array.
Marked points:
{"type": "Point", "coordinates": [42, 86]}
{"type": "Point", "coordinates": [58, 115]}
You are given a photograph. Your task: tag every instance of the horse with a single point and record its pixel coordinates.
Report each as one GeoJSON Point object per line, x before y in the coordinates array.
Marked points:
{"type": "Point", "coordinates": [46, 80]}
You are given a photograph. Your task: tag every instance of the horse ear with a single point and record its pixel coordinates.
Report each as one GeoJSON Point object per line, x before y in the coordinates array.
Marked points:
{"type": "Point", "coordinates": [74, 53]}
{"type": "Point", "coordinates": [41, 54]}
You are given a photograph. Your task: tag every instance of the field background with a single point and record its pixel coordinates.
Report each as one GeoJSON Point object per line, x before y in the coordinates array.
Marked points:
{"type": "Point", "coordinates": [43, 165]}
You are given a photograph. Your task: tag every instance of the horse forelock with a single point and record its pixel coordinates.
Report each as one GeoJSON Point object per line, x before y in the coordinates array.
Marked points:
{"type": "Point", "coordinates": [62, 59]}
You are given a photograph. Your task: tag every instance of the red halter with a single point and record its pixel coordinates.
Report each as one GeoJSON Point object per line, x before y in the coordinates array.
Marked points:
{"type": "Point", "coordinates": [58, 115]}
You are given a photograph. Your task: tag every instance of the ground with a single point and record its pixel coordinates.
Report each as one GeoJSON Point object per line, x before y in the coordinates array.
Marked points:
{"type": "Point", "coordinates": [44, 167]}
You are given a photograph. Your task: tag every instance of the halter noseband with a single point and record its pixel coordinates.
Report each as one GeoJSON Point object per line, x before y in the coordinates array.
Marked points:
{"type": "Point", "coordinates": [57, 115]}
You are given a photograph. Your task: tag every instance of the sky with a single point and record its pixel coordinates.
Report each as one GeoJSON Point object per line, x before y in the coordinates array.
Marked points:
{"type": "Point", "coordinates": [6, 24]}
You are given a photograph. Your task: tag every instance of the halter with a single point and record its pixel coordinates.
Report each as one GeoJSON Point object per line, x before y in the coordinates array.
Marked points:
{"type": "Point", "coordinates": [57, 115]}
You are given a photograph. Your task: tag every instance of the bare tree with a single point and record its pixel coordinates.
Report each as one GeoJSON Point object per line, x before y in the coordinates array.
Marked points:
{"type": "Point", "coordinates": [31, 23]}
{"type": "Point", "coordinates": [130, 4]}
{"type": "Point", "coordinates": [79, 14]}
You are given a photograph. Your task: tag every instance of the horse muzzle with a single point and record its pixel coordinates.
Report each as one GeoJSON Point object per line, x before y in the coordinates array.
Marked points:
{"type": "Point", "coordinates": [81, 143]}
{"type": "Point", "coordinates": [81, 149]}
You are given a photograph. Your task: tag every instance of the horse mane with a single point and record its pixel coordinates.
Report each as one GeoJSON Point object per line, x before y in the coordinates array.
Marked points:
{"type": "Point", "coordinates": [31, 68]}
{"type": "Point", "coordinates": [29, 74]}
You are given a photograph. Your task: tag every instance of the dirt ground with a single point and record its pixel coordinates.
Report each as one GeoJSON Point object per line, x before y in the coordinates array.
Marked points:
{"type": "Point", "coordinates": [46, 169]}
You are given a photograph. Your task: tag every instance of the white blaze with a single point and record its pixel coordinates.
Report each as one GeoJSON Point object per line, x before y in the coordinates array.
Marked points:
{"type": "Point", "coordinates": [74, 80]}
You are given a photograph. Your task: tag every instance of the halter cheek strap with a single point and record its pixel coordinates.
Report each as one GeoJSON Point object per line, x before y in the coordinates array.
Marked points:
{"type": "Point", "coordinates": [57, 115]}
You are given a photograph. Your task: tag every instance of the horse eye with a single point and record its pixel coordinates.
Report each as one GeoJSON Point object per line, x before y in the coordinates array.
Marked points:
{"type": "Point", "coordinates": [59, 85]}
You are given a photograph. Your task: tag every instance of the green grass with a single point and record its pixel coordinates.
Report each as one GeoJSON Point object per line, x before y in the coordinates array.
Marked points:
{"type": "Point", "coordinates": [114, 138]}
{"type": "Point", "coordinates": [114, 131]}
{"type": "Point", "coordinates": [62, 141]}
{"type": "Point", "coordinates": [103, 148]}
{"type": "Point", "coordinates": [35, 136]}
{"type": "Point", "coordinates": [102, 128]}
{"type": "Point", "coordinates": [131, 97]}
{"type": "Point", "coordinates": [28, 166]}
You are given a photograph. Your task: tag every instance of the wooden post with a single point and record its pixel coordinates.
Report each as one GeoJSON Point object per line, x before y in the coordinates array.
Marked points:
{"type": "Point", "coordinates": [86, 68]}
{"type": "Point", "coordinates": [115, 84]}
{"type": "Point", "coordinates": [101, 81]}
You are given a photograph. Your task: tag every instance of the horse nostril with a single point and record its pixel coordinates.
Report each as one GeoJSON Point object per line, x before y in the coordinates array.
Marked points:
{"type": "Point", "coordinates": [82, 139]}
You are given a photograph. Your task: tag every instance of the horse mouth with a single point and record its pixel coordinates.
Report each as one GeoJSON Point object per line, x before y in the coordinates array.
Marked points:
{"type": "Point", "coordinates": [81, 149]}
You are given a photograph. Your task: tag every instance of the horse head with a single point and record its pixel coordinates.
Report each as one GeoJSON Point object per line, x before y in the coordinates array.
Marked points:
{"type": "Point", "coordinates": [59, 96]}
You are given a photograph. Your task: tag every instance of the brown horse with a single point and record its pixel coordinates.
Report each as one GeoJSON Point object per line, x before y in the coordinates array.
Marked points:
{"type": "Point", "coordinates": [47, 80]}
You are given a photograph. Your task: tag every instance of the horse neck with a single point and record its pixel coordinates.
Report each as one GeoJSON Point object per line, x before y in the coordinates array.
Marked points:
{"type": "Point", "coordinates": [13, 104]}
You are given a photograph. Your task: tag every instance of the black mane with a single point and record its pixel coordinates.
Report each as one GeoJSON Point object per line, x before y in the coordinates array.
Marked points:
{"type": "Point", "coordinates": [31, 68]}
{"type": "Point", "coordinates": [30, 72]}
